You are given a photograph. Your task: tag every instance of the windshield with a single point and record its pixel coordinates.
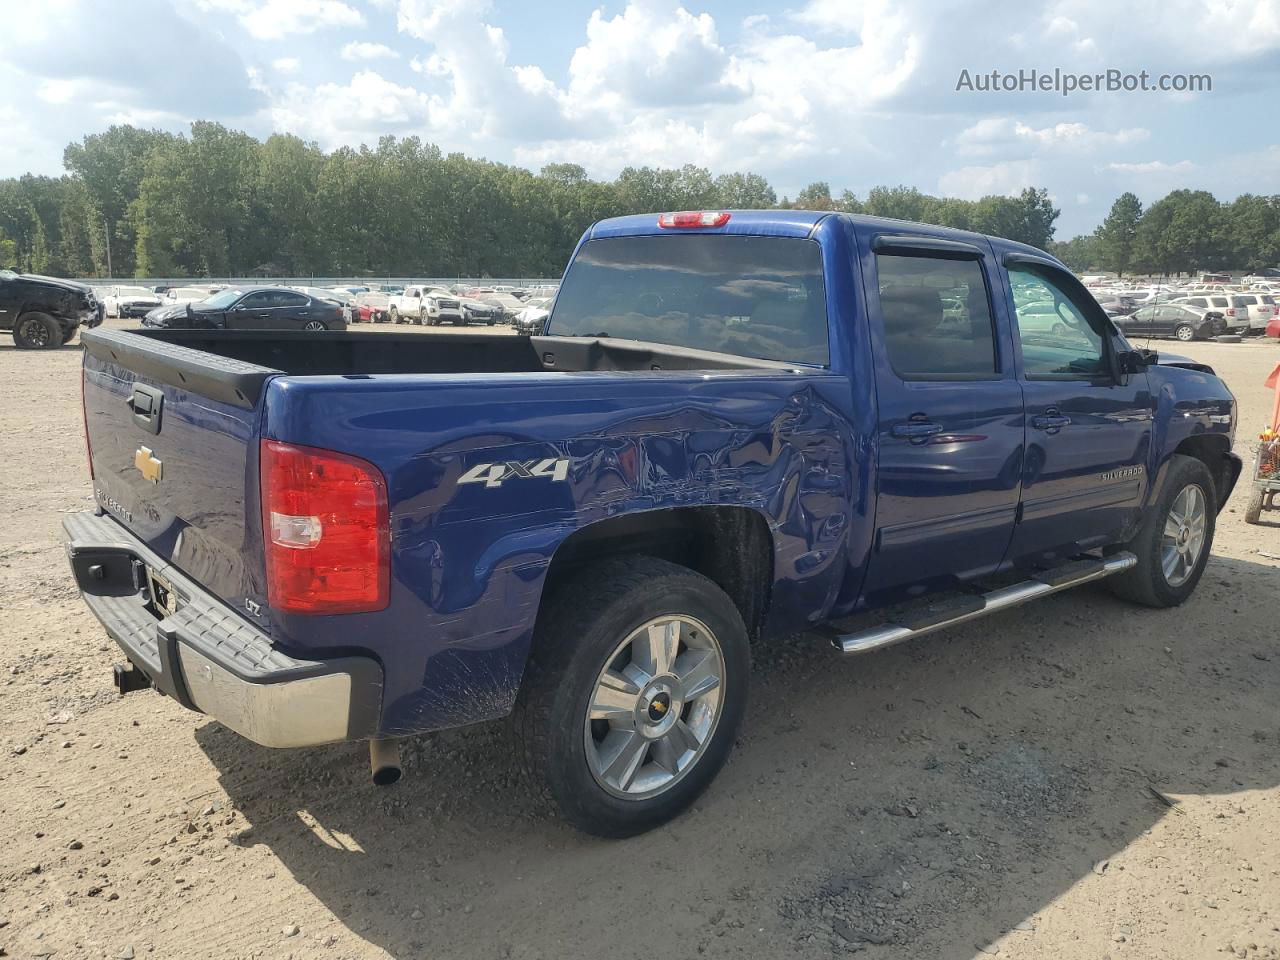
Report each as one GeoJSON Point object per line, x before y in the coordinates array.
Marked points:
{"type": "Point", "coordinates": [751, 296]}
{"type": "Point", "coordinates": [223, 299]}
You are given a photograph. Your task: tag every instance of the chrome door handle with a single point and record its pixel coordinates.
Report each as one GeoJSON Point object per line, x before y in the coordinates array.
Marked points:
{"type": "Point", "coordinates": [1050, 421]}
{"type": "Point", "coordinates": [916, 429]}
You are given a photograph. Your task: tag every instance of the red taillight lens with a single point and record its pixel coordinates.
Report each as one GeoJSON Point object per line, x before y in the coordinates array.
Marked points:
{"type": "Point", "coordinates": [327, 531]}
{"type": "Point", "coordinates": [693, 218]}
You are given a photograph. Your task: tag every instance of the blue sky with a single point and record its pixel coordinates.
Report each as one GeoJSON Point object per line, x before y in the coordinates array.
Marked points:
{"type": "Point", "coordinates": [855, 92]}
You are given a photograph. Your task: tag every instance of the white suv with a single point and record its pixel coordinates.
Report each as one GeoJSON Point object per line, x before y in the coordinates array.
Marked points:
{"type": "Point", "coordinates": [1262, 308]}
{"type": "Point", "coordinates": [1229, 305]}
{"type": "Point", "coordinates": [426, 305]}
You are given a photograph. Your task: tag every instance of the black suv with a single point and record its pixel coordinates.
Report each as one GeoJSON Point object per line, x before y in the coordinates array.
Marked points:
{"type": "Point", "coordinates": [44, 312]}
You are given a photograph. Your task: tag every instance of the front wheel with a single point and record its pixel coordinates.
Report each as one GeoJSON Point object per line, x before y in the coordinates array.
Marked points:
{"type": "Point", "coordinates": [1174, 540]}
{"type": "Point", "coordinates": [633, 694]}
{"type": "Point", "coordinates": [37, 331]}
{"type": "Point", "coordinates": [1184, 332]}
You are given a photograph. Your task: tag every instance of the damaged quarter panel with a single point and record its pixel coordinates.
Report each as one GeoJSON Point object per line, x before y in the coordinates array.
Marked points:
{"type": "Point", "coordinates": [488, 481]}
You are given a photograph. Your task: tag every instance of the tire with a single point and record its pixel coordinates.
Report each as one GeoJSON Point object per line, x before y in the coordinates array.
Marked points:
{"type": "Point", "coordinates": [1253, 510]}
{"type": "Point", "coordinates": [314, 326]}
{"type": "Point", "coordinates": [1148, 582]}
{"type": "Point", "coordinates": [1184, 332]}
{"type": "Point", "coordinates": [37, 331]}
{"type": "Point", "coordinates": [1228, 338]}
{"type": "Point", "coordinates": [585, 630]}
{"type": "Point", "coordinates": [394, 314]}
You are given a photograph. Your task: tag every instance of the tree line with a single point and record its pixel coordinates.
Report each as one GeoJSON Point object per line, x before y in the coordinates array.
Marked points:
{"type": "Point", "coordinates": [1185, 231]}
{"type": "Point", "coordinates": [219, 202]}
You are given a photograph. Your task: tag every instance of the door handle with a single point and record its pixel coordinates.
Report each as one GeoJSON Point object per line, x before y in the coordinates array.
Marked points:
{"type": "Point", "coordinates": [1050, 421]}
{"type": "Point", "coordinates": [916, 429]}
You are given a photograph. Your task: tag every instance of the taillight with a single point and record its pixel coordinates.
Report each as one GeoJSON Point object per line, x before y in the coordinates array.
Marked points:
{"type": "Point", "coordinates": [84, 416]}
{"type": "Point", "coordinates": [326, 528]}
{"type": "Point", "coordinates": [693, 218]}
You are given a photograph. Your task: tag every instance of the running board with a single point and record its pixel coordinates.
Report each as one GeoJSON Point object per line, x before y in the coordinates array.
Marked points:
{"type": "Point", "coordinates": [948, 613]}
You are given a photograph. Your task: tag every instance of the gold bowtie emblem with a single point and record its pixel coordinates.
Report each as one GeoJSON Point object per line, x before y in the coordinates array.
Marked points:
{"type": "Point", "coordinates": [148, 464]}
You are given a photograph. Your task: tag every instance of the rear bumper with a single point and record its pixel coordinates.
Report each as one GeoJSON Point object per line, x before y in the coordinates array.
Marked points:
{"type": "Point", "coordinates": [210, 659]}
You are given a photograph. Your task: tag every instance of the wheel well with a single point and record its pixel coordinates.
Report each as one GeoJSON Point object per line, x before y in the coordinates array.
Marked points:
{"type": "Point", "coordinates": [1211, 449]}
{"type": "Point", "coordinates": [731, 546]}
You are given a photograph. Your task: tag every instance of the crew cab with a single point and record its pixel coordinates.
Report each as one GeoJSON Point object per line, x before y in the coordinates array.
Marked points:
{"type": "Point", "coordinates": [44, 312]}
{"type": "Point", "coordinates": [735, 425]}
{"type": "Point", "coordinates": [428, 306]}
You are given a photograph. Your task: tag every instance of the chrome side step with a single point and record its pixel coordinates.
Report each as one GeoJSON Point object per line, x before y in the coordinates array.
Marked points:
{"type": "Point", "coordinates": [950, 613]}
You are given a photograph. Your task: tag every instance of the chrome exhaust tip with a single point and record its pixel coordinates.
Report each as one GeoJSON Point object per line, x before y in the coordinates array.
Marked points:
{"type": "Point", "coordinates": [384, 762]}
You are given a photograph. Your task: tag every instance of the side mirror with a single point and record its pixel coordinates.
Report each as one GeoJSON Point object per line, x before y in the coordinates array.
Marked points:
{"type": "Point", "coordinates": [1136, 361]}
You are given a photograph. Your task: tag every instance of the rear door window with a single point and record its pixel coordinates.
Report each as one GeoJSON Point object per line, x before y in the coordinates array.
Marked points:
{"type": "Point", "coordinates": [937, 318]}
{"type": "Point", "coordinates": [750, 296]}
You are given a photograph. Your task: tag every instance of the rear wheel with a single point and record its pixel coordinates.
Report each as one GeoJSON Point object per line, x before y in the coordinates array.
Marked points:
{"type": "Point", "coordinates": [394, 314]}
{"type": "Point", "coordinates": [314, 325]}
{"type": "Point", "coordinates": [633, 694]}
{"type": "Point", "coordinates": [1184, 332]}
{"type": "Point", "coordinates": [1174, 540]}
{"type": "Point", "coordinates": [37, 331]}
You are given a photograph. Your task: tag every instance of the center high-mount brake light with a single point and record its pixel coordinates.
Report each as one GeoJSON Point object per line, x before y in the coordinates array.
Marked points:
{"type": "Point", "coordinates": [693, 218]}
{"type": "Point", "coordinates": [326, 529]}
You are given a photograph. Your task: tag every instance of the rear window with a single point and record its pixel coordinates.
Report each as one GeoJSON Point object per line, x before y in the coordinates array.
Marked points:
{"type": "Point", "coordinates": [757, 297]}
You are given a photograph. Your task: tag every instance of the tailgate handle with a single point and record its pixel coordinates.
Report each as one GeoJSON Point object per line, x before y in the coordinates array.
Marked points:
{"type": "Point", "coordinates": [146, 403]}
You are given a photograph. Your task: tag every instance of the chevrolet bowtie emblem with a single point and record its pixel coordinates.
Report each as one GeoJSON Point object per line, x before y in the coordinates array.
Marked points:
{"type": "Point", "coordinates": [148, 465]}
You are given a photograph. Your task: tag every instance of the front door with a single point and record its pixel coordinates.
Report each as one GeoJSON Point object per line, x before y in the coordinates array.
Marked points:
{"type": "Point", "coordinates": [950, 431]}
{"type": "Point", "coordinates": [1088, 429]}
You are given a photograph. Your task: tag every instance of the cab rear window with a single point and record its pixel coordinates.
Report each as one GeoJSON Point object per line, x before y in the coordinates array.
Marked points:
{"type": "Point", "coordinates": [759, 297]}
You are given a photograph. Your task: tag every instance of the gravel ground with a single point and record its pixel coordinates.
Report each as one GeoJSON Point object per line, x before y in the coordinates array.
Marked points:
{"type": "Point", "coordinates": [1076, 778]}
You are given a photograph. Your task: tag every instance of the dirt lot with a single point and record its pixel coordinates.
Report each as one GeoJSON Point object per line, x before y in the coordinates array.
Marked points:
{"type": "Point", "coordinates": [989, 790]}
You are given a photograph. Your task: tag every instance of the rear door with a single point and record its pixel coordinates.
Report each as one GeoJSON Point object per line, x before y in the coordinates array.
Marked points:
{"type": "Point", "coordinates": [950, 429]}
{"type": "Point", "coordinates": [177, 465]}
{"type": "Point", "coordinates": [1088, 429]}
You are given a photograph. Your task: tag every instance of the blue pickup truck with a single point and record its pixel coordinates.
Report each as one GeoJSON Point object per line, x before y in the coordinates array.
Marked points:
{"type": "Point", "coordinates": [736, 424]}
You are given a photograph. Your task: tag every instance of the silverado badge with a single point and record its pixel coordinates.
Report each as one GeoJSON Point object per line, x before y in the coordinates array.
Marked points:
{"type": "Point", "coordinates": [149, 465]}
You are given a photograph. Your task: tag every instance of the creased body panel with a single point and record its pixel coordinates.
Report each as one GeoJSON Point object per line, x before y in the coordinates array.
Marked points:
{"type": "Point", "coordinates": [486, 482]}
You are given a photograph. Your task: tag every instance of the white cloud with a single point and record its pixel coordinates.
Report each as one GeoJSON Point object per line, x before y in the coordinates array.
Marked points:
{"type": "Point", "coordinates": [1000, 136]}
{"type": "Point", "coordinates": [654, 54]}
{"type": "Point", "coordinates": [280, 18]}
{"type": "Point", "coordinates": [286, 65]}
{"type": "Point", "coordinates": [1152, 166]}
{"type": "Point", "coordinates": [343, 114]}
{"type": "Point", "coordinates": [362, 50]}
{"type": "Point", "coordinates": [1002, 179]}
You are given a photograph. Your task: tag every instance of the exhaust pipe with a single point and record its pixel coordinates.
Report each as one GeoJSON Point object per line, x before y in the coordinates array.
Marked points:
{"type": "Point", "coordinates": [384, 761]}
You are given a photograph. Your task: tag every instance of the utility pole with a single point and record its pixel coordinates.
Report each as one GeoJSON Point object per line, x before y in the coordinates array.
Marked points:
{"type": "Point", "coordinates": [106, 230]}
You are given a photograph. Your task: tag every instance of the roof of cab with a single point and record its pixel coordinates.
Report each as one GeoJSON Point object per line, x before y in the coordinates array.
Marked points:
{"type": "Point", "coordinates": [797, 223]}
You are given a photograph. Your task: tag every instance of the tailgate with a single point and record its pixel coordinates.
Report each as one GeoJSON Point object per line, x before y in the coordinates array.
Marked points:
{"type": "Point", "coordinates": [173, 444]}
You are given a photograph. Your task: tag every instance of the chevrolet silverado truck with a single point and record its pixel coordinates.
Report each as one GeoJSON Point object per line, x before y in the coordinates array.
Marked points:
{"type": "Point", "coordinates": [735, 425]}
{"type": "Point", "coordinates": [45, 312]}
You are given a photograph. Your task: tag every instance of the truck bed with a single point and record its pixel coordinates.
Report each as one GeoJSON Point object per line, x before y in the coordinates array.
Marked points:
{"type": "Point", "coordinates": [356, 353]}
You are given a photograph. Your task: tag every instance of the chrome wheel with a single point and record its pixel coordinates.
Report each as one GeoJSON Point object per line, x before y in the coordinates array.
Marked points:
{"type": "Point", "coordinates": [1183, 538]}
{"type": "Point", "coordinates": [655, 707]}
{"type": "Point", "coordinates": [314, 325]}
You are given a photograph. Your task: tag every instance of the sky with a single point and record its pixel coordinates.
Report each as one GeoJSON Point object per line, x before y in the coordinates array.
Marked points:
{"type": "Point", "coordinates": [855, 92]}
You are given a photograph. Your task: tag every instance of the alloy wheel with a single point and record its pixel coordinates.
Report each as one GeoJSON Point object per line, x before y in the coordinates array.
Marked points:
{"type": "Point", "coordinates": [1183, 537]}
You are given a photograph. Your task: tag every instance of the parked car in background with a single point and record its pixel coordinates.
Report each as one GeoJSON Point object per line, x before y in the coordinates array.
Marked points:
{"type": "Point", "coordinates": [175, 296]}
{"type": "Point", "coordinates": [477, 293]}
{"type": "Point", "coordinates": [251, 308]}
{"type": "Point", "coordinates": [43, 312]}
{"type": "Point", "coordinates": [127, 301]}
{"type": "Point", "coordinates": [353, 290]}
{"type": "Point", "coordinates": [1235, 310]}
{"type": "Point", "coordinates": [426, 305]}
{"type": "Point", "coordinates": [370, 307]}
{"type": "Point", "coordinates": [1262, 308]}
{"type": "Point", "coordinates": [1182, 321]}
{"type": "Point", "coordinates": [533, 318]}
{"type": "Point", "coordinates": [477, 311]}
{"type": "Point", "coordinates": [508, 303]}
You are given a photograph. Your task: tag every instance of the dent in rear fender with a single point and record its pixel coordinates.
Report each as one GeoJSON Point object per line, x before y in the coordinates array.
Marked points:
{"type": "Point", "coordinates": [470, 559]}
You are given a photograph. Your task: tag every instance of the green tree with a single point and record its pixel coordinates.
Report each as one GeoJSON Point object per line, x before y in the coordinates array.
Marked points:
{"type": "Point", "coordinates": [1117, 237]}
{"type": "Point", "coordinates": [1080, 253]}
{"type": "Point", "coordinates": [816, 196]}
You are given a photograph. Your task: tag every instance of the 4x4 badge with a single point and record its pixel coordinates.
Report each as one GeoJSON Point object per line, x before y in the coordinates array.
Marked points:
{"type": "Point", "coordinates": [148, 464]}
{"type": "Point", "coordinates": [492, 474]}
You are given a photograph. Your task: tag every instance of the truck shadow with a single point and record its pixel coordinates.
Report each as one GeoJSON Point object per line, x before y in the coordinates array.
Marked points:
{"type": "Point", "coordinates": [923, 801]}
